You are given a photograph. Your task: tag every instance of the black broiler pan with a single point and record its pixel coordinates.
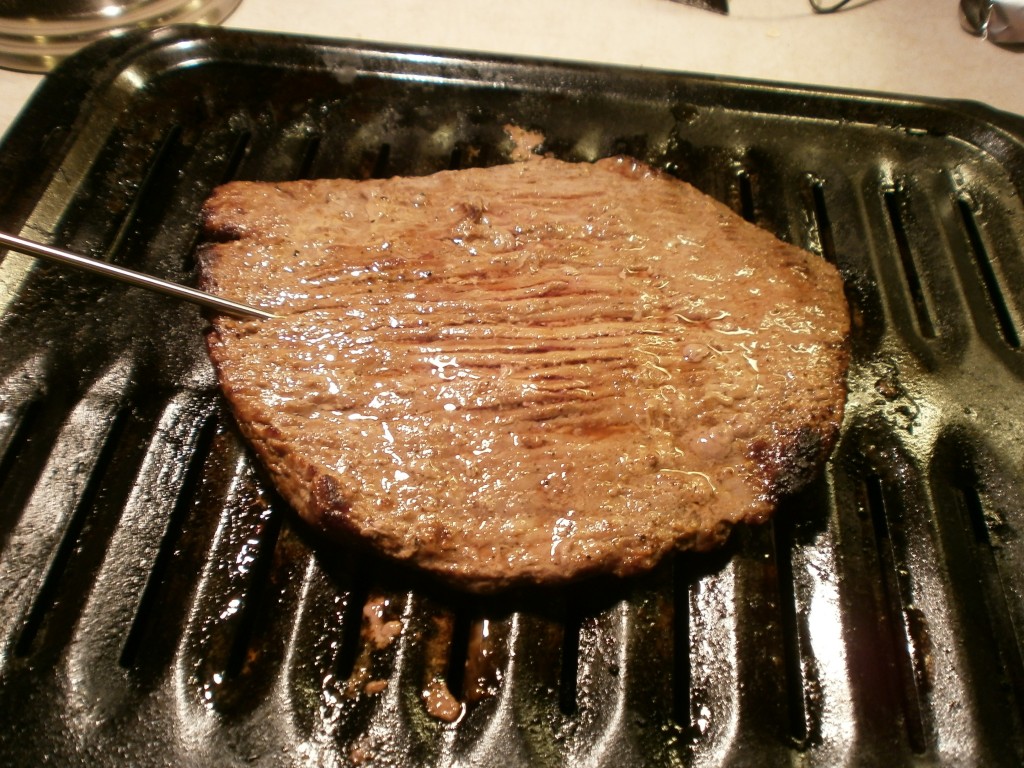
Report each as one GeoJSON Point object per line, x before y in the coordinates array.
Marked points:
{"type": "Point", "coordinates": [160, 606]}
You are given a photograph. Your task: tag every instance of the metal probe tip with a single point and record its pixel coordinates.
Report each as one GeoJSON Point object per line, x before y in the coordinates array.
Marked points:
{"type": "Point", "coordinates": [132, 277]}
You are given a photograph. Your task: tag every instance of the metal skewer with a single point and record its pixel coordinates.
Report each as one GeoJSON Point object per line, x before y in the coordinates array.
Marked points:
{"type": "Point", "coordinates": [132, 277]}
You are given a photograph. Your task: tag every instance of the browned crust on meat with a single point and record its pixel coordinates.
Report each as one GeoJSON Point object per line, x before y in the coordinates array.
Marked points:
{"type": "Point", "coordinates": [781, 455]}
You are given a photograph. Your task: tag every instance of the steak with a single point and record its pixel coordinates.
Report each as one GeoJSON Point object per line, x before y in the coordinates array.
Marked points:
{"type": "Point", "coordinates": [527, 373]}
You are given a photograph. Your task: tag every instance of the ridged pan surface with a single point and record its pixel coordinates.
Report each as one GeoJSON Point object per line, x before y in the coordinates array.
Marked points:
{"type": "Point", "coordinates": [160, 605]}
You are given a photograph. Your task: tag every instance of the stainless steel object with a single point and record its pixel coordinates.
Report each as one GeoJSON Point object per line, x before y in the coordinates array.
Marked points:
{"type": "Point", "coordinates": [718, 6]}
{"type": "Point", "coordinates": [35, 36]}
{"type": "Point", "coordinates": [131, 276]}
{"type": "Point", "coordinates": [999, 21]}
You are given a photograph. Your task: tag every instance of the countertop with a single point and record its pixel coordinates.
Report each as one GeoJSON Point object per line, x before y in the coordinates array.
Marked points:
{"type": "Point", "coordinates": [912, 47]}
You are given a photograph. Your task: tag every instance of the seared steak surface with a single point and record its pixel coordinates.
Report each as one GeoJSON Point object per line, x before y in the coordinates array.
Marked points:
{"type": "Point", "coordinates": [525, 373]}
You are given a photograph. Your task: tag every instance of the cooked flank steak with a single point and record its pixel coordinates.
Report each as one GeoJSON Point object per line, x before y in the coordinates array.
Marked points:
{"type": "Point", "coordinates": [526, 373]}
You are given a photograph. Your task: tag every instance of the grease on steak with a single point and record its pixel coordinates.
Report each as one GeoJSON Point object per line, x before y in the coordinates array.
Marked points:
{"type": "Point", "coordinates": [525, 373]}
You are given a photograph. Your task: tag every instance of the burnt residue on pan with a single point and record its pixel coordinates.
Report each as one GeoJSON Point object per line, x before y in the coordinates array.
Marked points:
{"type": "Point", "coordinates": [159, 604]}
